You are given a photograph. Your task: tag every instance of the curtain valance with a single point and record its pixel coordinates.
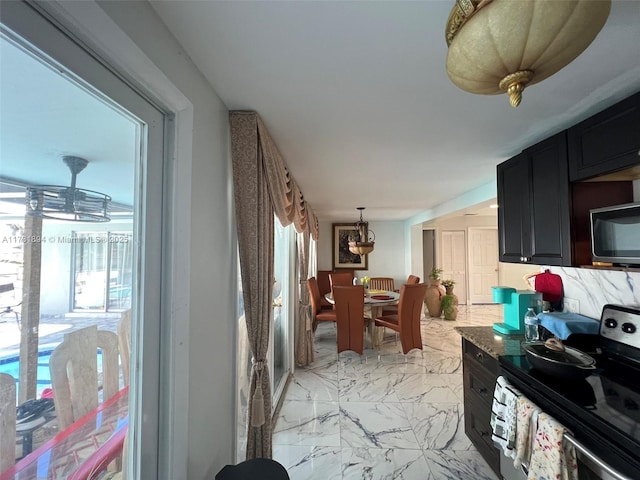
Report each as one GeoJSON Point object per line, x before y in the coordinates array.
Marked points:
{"type": "Point", "coordinates": [287, 198]}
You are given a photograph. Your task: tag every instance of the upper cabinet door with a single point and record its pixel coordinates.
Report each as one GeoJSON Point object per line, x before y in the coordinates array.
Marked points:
{"type": "Point", "coordinates": [606, 142]}
{"type": "Point", "coordinates": [514, 219]}
{"type": "Point", "coordinates": [550, 214]}
{"type": "Point", "coordinates": [533, 199]}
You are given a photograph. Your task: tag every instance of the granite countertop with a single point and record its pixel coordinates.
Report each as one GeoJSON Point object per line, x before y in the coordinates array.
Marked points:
{"type": "Point", "coordinates": [492, 342]}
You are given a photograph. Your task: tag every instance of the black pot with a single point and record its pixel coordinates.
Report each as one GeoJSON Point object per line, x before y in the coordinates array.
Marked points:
{"type": "Point", "coordinates": [566, 363]}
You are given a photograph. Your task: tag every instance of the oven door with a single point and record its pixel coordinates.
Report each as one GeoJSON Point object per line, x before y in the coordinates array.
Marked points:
{"type": "Point", "coordinates": [590, 467]}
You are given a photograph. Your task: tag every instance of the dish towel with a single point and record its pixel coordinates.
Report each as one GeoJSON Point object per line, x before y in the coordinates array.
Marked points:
{"type": "Point", "coordinates": [551, 457]}
{"type": "Point", "coordinates": [527, 418]}
{"type": "Point", "coordinates": [503, 416]}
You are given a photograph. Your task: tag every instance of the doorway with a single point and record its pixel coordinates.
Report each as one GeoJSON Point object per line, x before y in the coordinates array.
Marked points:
{"type": "Point", "coordinates": [454, 261]}
{"type": "Point", "coordinates": [483, 264]}
{"type": "Point", "coordinates": [428, 252]}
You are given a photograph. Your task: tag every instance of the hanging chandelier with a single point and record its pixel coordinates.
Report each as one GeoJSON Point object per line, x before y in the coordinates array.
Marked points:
{"type": "Point", "coordinates": [359, 241]}
{"type": "Point", "coordinates": [68, 203]}
{"type": "Point", "coordinates": [502, 46]}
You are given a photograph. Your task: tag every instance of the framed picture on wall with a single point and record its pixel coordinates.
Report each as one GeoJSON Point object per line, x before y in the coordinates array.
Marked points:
{"type": "Point", "coordinates": [342, 257]}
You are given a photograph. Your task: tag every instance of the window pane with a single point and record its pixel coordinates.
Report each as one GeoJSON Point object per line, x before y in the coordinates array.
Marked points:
{"type": "Point", "coordinates": [60, 279]}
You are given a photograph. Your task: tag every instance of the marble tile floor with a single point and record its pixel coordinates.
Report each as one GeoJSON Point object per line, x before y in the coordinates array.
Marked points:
{"type": "Point", "coordinates": [382, 415]}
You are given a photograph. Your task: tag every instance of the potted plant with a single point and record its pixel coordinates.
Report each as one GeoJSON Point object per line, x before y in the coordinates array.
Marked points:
{"type": "Point", "coordinates": [448, 285]}
{"type": "Point", "coordinates": [435, 274]}
{"type": "Point", "coordinates": [450, 307]}
{"type": "Point", "coordinates": [432, 298]}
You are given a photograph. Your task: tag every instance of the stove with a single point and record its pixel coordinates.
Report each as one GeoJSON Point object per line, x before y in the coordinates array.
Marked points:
{"type": "Point", "coordinates": [602, 411]}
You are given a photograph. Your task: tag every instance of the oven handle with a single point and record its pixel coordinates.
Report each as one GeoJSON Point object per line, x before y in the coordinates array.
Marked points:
{"type": "Point", "coordinates": [582, 449]}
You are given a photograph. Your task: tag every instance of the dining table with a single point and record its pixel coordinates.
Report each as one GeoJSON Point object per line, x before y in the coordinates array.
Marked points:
{"type": "Point", "coordinates": [83, 450]}
{"type": "Point", "coordinates": [374, 302]}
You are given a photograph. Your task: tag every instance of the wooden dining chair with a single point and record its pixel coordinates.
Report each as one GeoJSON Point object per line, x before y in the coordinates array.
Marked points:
{"type": "Point", "coordinates": [319, 312]}
{"type": "Point", "coordinates": [350, 317]}
{"type": "Point", "coordinates": [393, 309]}
{"type": "Point", "coordinates": [74, 372]}
{"type": "Point", "coordinates": [407, 321]}
{"type": "Point", "coordinates": [324, 285]}
{"type": "Point", "coordinates": [7, 421]}
{"type": "Point", "coordinates": [382, 283]}
{"type": "Point", "coordinates": [343, 279]}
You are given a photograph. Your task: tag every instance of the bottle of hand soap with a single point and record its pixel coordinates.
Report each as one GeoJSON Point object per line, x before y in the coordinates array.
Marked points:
{"type": "Point", "coordinates": [531, 323]}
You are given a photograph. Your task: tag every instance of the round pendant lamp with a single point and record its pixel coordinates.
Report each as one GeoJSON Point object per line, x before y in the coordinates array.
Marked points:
{"type": "Point", "coordinates": [502, 46]}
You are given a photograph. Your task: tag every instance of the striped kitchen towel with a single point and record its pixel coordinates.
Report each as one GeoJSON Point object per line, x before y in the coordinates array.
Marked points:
{"type": "Point", "coordinates": [504, 416]}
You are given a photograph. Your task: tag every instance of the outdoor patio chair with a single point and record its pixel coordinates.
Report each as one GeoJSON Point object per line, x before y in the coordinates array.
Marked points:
{"type": "Point", "coordinates": [7, 421]}
{"type": "Point", "coordinates": [124, 344]}
{"type": "Point", "coordinates": [8, 303]}
{"type": "Point", "coordinates": [74, 372]}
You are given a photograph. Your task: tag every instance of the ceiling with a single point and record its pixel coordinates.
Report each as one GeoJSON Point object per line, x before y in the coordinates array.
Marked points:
{"type": "Point", "coordinates": [355, 95]}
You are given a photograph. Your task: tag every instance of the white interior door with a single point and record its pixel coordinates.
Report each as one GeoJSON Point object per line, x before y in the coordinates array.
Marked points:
{"type": "Point", "coordinates": [483, 264]}
{"type": "Point", "coordinates": [454, 261]}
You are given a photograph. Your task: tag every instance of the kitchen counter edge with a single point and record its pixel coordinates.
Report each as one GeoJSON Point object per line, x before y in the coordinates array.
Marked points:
{"type": "Point", "coordinates": [493, 343]}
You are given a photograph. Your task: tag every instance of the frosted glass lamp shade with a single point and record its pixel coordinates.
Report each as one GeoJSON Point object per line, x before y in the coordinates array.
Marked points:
{"type": "Point", "coordinates": [501, 46]}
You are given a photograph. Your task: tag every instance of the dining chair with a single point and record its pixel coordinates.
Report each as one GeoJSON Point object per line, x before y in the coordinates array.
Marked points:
{"type": "Point", "coordinates": [407, 321]}
{"type": "Point", "coordinates": [324, 285]}
{"type": "Point", "coordinates": [350, 317]}
{"type": "Point", "coordinates": [320, 313]}
{"type": "Point", "coordinates": [393, 309]}
{"type": "Point", "coordinates": [7, 421]}
{"type": "Point", "coordinates": [74, 372]}
{"type": "Point", "coordinates": [413, 280]}
{"type": "Point", "coordinates": [382, 283]}
{"type": "Point", "coordinates": [344, 279]}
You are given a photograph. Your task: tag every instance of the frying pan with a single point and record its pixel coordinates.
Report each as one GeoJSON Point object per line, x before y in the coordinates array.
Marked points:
{"type": "Point", "coordinates": [555, 359]}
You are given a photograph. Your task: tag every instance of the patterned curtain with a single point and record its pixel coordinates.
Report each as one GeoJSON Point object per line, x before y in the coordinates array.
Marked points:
{"type": "Point", "coordinates": [254, 218]}
{"type": "Point", "coordinates": [263, 186]}
{"type": "Point", "coordinates": [303, 330]}
{"type": "Point", "coordinates": [288, 201]}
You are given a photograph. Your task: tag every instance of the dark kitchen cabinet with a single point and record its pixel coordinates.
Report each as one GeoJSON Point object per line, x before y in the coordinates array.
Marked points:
{"type": "Point", "coordinates": [533, 199]}
{"type": "Point", "coordinates": [480, 371]}
{"type": "Point", "coordinates": [606, 142]}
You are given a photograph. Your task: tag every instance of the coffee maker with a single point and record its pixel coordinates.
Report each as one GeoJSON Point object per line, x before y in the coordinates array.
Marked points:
{"type": "Point", "coordinates": [516, 303]}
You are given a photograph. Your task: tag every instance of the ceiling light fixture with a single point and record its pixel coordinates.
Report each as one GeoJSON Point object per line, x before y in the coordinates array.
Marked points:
{"type": "Point", "coordinates": [498, 46]}
{"type": "Point", "coordinates": [68, 203]}
{"type": "Point", "coordinates": [359, 241]}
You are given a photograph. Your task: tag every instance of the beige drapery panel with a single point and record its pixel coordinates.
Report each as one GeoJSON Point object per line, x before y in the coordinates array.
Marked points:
{"type": "Point", "coordinates": [303, 330]}
{"type": "Point", "coordinates": [263, 186]}
{"type": "Point", "coordinates": [254, 218]}
{"type": "Point", "coordinates": [288, 201]}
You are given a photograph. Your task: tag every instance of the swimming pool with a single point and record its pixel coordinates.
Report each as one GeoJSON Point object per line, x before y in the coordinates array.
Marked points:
{"type": "Point", "coordinates": [11, 365]}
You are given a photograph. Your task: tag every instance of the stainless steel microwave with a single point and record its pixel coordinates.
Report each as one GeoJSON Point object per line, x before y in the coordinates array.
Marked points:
{"type": "Point", "coordinates": [615, 234]}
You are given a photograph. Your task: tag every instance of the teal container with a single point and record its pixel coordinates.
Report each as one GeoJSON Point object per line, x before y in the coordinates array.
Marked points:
{"type": "Point", "coordinates": [502, 294]}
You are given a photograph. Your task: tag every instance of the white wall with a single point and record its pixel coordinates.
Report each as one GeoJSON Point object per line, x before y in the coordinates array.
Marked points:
{"type": "Point", "coordinates": [137, 43]}
{"type": "Point", "coordinates": [387, 258]}
{"type": "Point", "coordinates": [512, 274]}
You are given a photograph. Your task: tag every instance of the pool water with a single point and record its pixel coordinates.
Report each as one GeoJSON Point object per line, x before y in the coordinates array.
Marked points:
{"type": "Point", "coordinates": [11, 365]}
